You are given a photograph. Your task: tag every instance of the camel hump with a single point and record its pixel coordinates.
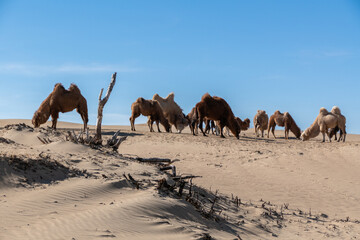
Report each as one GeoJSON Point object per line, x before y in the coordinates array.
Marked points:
{"type": "Point", "coordinates": [156, 96]}
{"type": "Point", "coordinates": [323, 110]}
{"type": "Point", "coordinates": [206, 95]}
{"type": "Point", "coordinates": [277, 112]}
{"type": "Point", "coordinates": [74, 88]}
{"type": "Point", "coordinates": [287, 114]}
{"type": "Point", "coordinates": [140, 100]}
{"type": "Point", "coordinates": [59, 86]}
{"type": "Point", "coordinates": [336, 110]}
{"type": "Point", "coordinates": [171, 96]}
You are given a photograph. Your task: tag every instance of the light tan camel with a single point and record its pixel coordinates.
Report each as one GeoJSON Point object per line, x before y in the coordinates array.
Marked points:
{"type": "Point", "coordinates": [172, 111]}
{"type": "Point", "coordinates": [260, 122]}
{"type": "Point", "coordinates": [322, 123]}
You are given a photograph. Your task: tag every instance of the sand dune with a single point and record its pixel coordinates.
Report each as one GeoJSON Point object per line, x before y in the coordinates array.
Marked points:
{"type": "Point", "coordinates": [267, 188]}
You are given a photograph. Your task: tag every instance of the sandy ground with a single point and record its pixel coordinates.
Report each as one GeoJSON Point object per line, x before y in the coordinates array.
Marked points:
{"type": "Point", "coordinates": [266, 188]}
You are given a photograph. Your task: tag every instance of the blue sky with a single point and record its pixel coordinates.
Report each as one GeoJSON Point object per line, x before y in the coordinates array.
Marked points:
{"type": "Point", "coordinates": [295, 56]}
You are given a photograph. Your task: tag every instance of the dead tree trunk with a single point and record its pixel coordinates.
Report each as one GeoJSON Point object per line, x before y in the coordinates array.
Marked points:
{"type": "Point", "coordinates": [102, 102]}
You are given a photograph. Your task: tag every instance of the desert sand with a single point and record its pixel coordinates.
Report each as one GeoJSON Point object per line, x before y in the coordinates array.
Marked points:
{"type": "Point", "coordinates": [252, 188]}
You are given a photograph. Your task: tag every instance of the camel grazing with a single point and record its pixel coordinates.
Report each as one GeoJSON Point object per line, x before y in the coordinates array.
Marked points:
{"type": "Point", "coordinates": [336, 110]}
{"type": "Point", "coordinates": [260, 122]}
{"type": "Point", "coordinates": [151, 109]}
{"type": "Point", "coordinates": [217, 109]}
{"type": "Point", "coordinates": [172, 112]}
{"type": "Point", "coordinates": [283, 120]}
{"type": "Point", "coordinates": [61, 100]}
{"type": "Point", "coordinates": [322, 123]}
{"type": "Point", "coordinates": [244, 125]}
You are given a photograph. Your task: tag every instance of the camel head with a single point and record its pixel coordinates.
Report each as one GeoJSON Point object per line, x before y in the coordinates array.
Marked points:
{"type": "Point", "coordinates": [305, 135]}
{"type": "Point", "coordinates": [181, 122]}
{"type": "Point", "coordinates": [235, 128]}
{"type": "Point", "coordinates": [246, 124]}
{"type": "Point", "coordinates": [39, 118]}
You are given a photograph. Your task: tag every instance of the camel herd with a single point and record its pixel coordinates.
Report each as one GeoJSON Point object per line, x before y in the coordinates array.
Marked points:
{"type": "Point", "coordinates": [214, 111]}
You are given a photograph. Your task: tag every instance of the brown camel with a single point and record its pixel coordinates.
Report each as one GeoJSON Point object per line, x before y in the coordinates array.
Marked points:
{"type": "Point", "coordinates": [244, 125]}
{"type": "Point", "coordinates": [217, 109]}
{"type": "Point", "coordinates": [261, 120]}
{"type": "Point", "coordinates": [61, 100]}
{"type": "Point", "coordinates": [151, 109]}
{"type": "Point", "coordinates": [283, 120]}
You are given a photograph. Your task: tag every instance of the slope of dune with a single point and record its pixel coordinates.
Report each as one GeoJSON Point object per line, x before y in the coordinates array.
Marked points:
{"type": "Point", "coordinates": [246, 189]}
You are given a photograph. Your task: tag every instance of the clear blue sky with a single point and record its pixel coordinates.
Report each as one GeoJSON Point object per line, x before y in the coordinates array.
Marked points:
{"type": "Point", "coordinates": [295, 56]}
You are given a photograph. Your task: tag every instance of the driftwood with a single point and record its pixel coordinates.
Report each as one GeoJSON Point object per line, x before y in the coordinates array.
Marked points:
{"type": "Point", "coordinates": [102, 102]}
{"type": "Point", "coordinates": [170, 167]}
{"type": "Point", "coordinates": [114, 143]}
{"type": "Point", "coordinates": [154, 160]}
{"type": "Point", "coordinates": [44, 140]}
{"type": "Point", "coordinates": [132, 180]}
{"type": "Point", "coordinates": [185, 177]}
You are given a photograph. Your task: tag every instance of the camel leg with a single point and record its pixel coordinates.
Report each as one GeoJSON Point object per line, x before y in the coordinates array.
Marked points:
{"type": "Point", "coordinates": [327, 133]}
{"type": "Point", "coordinates": [54, 117]}
{"type": "Point", "coordinates": [207, 126]}
{"type": "Point", "coordinates": [157, 124]}
{"type": "Point", "coordinates": [262, 133]}
{"type": "Point", "coordinates": [201, 126]}
{"type": "Point", "coordinates": [83, 114]}
{"type": "Point", "coordinates": [286, 132]}
{"type": "Point", "coordinates": [150, 124]}
{"type": "Point", "coordinates": [342, 134]}
{"type": "Point", "coordinates": [192, 127]}
{"type": "Point", "coordinates": [132, 120]}
{"type": "Point", "coordinates": [273, 131]}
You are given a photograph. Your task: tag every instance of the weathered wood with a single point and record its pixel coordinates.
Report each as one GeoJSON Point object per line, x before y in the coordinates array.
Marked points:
{"type": "Point", "coordinates": [170, 167]}
{"type": "Point", "coordinates": [117, 144]}
{"type": "Point", "coordinates": [153, 160]}
{"type": "Point", "coordinates": [102, 102]}
{"type": "Point", "coordinates": [42, 140]}
{"type": "Point", "coordinates": [185, 177]}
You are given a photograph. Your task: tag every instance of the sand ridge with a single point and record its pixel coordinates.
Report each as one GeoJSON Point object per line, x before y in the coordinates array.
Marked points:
{"type": "Point", "coordinates": [285, 189]}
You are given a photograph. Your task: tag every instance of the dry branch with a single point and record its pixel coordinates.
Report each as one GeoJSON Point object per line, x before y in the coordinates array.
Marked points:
{"type": "Point", "coordinates": [102, 102]}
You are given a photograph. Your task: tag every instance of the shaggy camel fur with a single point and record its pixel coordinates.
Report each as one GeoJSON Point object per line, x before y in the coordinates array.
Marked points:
{"type": "Point", "coordinates": [217, 109]}
{"type": "Point", "coordinates": [283, 120]}
{"type": "Point", "coordinates": [244, 125]}
{"type": "Point", "coordinates": [151, 109]}
{"type": "Point", "coordinates": [173, 113]}
{"type": "Point", "coordinates": [61, 100]}
{"type": "Point", "coordinates": [322, 123]}
{"type": "Point", "coordinates": [336, 110]}
{"type": "Point", "coordinates": [260, 122]}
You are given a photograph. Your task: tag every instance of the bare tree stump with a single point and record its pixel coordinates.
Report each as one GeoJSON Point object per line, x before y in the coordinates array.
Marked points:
{"type": "Point", "coordinates": [102, 102]}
